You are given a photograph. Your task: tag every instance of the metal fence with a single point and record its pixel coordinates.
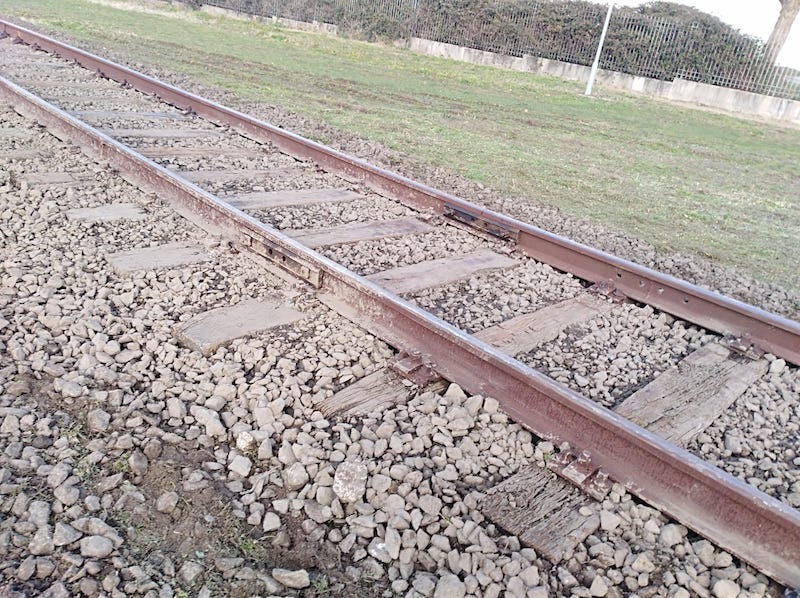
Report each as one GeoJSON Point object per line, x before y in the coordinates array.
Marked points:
{"type": "Point", "coordinates": [566, 30]}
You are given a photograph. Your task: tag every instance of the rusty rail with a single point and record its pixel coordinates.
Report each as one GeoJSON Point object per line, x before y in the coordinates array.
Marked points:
{"type": "Point", "coordinates": [710, 310]}
{"type": "Point", "coordinates": [752, 525]}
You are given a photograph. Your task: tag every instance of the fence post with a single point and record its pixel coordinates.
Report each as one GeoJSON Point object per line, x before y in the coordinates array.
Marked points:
{"type": "Point", "coordinates": [412, 21]}
{"type": "Point", "coordinates": [596, 62]}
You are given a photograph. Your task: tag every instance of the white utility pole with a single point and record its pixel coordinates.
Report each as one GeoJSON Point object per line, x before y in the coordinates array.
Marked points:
{"type": "Point", "coordinates": [596, 62]}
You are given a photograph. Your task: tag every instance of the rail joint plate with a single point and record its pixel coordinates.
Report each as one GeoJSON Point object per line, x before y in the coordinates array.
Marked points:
{"type": "Point", "coordinates": [493, 228]}
{"type": "Point", "coordinates": [283, 257]}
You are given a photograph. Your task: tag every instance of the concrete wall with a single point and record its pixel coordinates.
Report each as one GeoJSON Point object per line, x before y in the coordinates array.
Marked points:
{"type": "Point", "coordinates": [731, 100]}
{"type": "Point", "coordinates": [724, 98]}
{"type": "Point", "coordinates": [735, 100]}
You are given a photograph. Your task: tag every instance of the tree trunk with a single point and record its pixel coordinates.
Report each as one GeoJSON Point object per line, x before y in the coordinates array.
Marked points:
{"type": "Point", "coordinates": [789, 12]}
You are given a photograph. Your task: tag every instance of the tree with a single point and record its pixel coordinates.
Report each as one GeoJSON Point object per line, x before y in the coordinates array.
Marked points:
{"type": "Point", "coordinates": [789, 11]}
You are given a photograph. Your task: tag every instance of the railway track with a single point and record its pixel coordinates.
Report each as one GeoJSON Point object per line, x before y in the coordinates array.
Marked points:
{"type": "Point", "coordinates": [461, 294]}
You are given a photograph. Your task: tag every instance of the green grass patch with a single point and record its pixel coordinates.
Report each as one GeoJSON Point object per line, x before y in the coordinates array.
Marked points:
{"type": "Point", "coordinates": [685, 180]}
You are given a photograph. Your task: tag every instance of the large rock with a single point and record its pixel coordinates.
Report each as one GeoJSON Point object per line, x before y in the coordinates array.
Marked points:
{"type": "Point", "coordinates": [350, 481]}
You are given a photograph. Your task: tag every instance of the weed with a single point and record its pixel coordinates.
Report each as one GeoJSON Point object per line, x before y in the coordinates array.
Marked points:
{"type": "Point", "coordinates": [85, 469]}
{"type": "Point", "coordinates": [321, 585]}
{"type": "Point", "coordinates": [248, 546]}
{"type": "Point", "coordinates": [121, 465]}
{"type": "Point", "coordinates": [122, 519]}
{"type": "Point", "coordinates": [75, 433]}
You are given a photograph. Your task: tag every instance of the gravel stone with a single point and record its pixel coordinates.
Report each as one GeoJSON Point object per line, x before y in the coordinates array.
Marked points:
{"type": "Point", "coordinates": [96, 547]}
{"type": "Point", "coordinates": [209, 419]}
{"type": "Point", "coordinates": [296, 580]}
{"type": "Point", "coordinates": [138, 463]}
{"type": "Point", "coordinates": [240, 466]}
{"type": "Point", "coordinates": [39, 513]}
{"type": "Point", "coordinates": [449, 586]}
{"type": "Point", "coordinates": [377, 549]}
{"type": "Point", "coordinates": [67, 494]}
{"type": "Point", "coordinates": [271, 522]}
{"type": "Point", "coordinates": [317, 512]}
{"type": "Point", "coordinates": [58, 475]}
{"type": "Point", "coordinates": [393, 543]}
{"type": "Point", "coordinates": [643, 564]}
{"type": "Point", "coordinates": [598, 587]}
{"type": "Point", "coordinates": [705, 552]}
{"type": "Point", "coordinates": [295, 477]}
{"type": "Point", "coordinates": [26, 569]}
{"type": "Point", "coordinates": [424, 583]}
{"type": "Point", "coordinates": [725, 588]}
{"type": "Point", "coordinates": [42, 542]}
{"type": "Point", "coordinates": [609, 521]}
{"type": "Point", "coordinates": [530, 576]}
{"type": "Point", "coordinates": [777, 366]}
{"type": "Point", "coordinates": [167, 502]}
{"type": "Point", "coordinates": [98, 420]}
{"type": "Point", "coordinates": [190, 572]}
{"type": "Point", "coordinates": [65, 534]}
{"type": "Point", "coordinates": [672, 534]}
{"type": "Point", "coordinates": [71, 389]}
{"type": "Point", "coordinates": [98, 527]}
{"type": "Point", "coordinates": [430, 504]}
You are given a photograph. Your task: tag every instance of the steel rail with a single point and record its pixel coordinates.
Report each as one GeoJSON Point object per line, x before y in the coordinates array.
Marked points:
{"type": "Point", "coordinates": [758, 528]}
{"type": "Point", "coordinates": [727, 316]}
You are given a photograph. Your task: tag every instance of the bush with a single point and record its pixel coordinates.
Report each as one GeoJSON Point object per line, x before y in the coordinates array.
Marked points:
{"type": "Point", "coordinates": [663, 40]}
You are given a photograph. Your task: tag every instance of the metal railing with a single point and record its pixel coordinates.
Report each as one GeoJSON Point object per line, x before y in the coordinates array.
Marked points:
{"type": "Point", "coordinates": [567, 30]}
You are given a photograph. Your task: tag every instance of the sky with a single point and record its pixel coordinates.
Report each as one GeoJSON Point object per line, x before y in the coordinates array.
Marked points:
{"type": "Point", "coordinates": [754, 17]}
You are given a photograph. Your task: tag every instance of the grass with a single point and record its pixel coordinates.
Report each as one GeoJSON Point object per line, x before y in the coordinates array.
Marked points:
{"type": "Point", "coordinates": [685, 180]}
